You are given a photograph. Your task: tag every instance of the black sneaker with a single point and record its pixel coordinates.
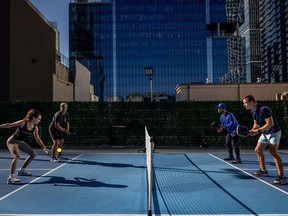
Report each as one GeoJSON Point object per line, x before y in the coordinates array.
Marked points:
{"type": "Point", "coordinates": [280, 180]}
{"type": "Point", "coordinates": [261, 173]}
{"type": "Point", "coordinates": [23, 172]}
{"type": "Point", "coordinates": [236, 161]}
{"type": "Point", "coordinates": [62, 157]}
{"type": "Point", "coordinates": [229, 158]}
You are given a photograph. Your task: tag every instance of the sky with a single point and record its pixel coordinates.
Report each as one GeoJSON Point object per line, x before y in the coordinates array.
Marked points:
{"type": "Point", "coordinates": [56, 10]}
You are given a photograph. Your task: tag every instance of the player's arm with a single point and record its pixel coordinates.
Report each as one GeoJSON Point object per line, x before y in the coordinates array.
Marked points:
{"type": "Point", "coordinates": [58, 127]}
{"type": "Point", "coordinates": [254, 130]}
{"type": "Point", "coordinates": [38, 139]}
{"type": "Point", "coordinates": [13, 124]}
{"type": "Point", "coordinates": [269, 123]}
{"type": "Point", "coordinates": [68, 126]}
{"type": "Point", "coordinates": [229, 121]}
{"type": "Point", "coordinates": [221, 126]}
{"type": "Point", "coordinates": [257, 129]}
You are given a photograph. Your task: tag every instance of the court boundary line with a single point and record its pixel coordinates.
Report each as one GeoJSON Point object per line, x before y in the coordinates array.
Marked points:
{"type": "Point", "coordinates": [29, 169]}
{"type": "Point", "coordinates": [221, 187]}
{"type": "Point", "coordinates": [22, 187]}
{"type": "Point", "coordinates": [249, 174]}
{"type": "Point", "coordinates": [140, 214]}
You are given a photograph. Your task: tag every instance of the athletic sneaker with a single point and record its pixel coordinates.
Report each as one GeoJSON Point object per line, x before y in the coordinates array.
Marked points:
{"type": "Point", "coordinates": [236, 161]}
{"type": "Point", "coordinates": [261, 173]}
{"type": "Point", "coordinates": [23, 172]}
{"type": "Point", "coordinates": [12, 180]}
{"type": "Point", "coordinates": [62, 157]}
{"type": "Point", "coordinates": [229, 158]}
{"type": "Point", "coordinates": [280, 180]}
{"type": "Point", "coordinates": [54, 160]}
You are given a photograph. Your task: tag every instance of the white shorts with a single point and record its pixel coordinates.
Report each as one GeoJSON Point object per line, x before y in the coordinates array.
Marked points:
{"type": "Point", "coordinates": [273, 138]}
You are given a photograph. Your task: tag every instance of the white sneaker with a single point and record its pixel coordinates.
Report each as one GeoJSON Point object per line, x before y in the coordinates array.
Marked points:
{"type": "Point", "coordinates": [12, 180]}
{"type": "Point", "coordinates": [54, 160]}
{"type": "Point", "coordinates": [23, 172]}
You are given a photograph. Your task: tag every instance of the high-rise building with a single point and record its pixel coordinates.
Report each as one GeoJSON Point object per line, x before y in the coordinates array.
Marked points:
{"type": "Point", "coordinates": [117, 39]}
{"type": "Point", "coordinates": [236, 43]}
{"type": "Point", "coordinates": [257, 51]}
{"type": "Point", "coordinates": [274, 37]}
{"type": "Point", "coordinates": [250, 31]}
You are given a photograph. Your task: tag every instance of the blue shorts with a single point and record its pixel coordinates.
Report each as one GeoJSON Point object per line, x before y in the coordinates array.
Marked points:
{"type": "Point", "coordinates": [273, 138]}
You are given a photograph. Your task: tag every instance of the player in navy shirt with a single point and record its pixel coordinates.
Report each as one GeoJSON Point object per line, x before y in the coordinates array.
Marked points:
{"type": "Point", "coordinates": [265, 123]}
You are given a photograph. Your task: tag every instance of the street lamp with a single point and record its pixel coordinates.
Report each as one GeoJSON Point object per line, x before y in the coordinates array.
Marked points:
{"type": "Point", "coordinates": [149, 72]}
{"type": "Point", "coordinates": [274, 73]}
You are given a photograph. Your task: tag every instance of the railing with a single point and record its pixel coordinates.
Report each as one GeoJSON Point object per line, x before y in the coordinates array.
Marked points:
{"type": "Point", "coordinates": [62, 59]}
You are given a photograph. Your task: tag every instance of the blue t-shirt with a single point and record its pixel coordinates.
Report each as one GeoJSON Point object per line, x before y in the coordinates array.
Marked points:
{"type": "Point", "coordinates": [229, 121]}
{"type": "Point", "coordinates": [263, 112]}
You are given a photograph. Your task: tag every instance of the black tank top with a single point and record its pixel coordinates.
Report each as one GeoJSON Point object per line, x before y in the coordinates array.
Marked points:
{"type": "Point", "coordinates": [23, 133]}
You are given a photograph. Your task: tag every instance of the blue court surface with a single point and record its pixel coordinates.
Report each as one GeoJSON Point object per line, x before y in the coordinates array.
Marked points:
{"type": "Point", "coordinates": [113, 182]}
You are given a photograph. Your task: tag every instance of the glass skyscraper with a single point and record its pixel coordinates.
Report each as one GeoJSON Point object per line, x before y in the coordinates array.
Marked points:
{"type": "Point", "coordinates": [117, 39]}
{"type": "Point", "coordinates": [274, 37]}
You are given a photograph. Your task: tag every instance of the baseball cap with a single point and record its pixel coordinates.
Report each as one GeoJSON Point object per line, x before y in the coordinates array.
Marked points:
{"type": "Point", "coordinates": [221, 106]}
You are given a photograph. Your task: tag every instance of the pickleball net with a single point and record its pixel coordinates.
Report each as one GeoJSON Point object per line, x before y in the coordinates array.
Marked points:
{"type": "Point", "coordinates": [149, 145]}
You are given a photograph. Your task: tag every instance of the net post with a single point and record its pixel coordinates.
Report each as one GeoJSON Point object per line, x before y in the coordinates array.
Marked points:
{"type": "Point", "coordinates": [149, 213]}
{"type": "Point", "coordinates": [149, 144]}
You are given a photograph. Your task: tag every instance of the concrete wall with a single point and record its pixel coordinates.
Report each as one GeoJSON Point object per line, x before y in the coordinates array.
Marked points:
{"type": "Point", "coordinates": [232, 92]}
{"type": "Point", "coordinates": [32, 54]}
{"type": "Point", "coordinates": [82, 83]}
{"type": "Point", "coordinates": [62, 89]}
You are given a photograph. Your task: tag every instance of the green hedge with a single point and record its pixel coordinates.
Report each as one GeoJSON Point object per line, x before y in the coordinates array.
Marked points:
{"type": "Point", "coordinates": [182, 124]}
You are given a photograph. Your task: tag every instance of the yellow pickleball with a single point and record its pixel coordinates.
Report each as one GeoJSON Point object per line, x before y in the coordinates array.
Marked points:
{"type": "Point", "coordinates": [59, 150]}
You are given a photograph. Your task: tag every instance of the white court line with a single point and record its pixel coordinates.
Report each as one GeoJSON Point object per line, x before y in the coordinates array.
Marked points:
{"type": "Point", "coordinates": [141, 214]}
{"type": "Point", "coordinates": [249, 174]}
{"type": "Point", "coordinates": [28, 169]}
{"type": "Point", "coordinates": [18, 189]}
{"type": "Point", "coordinates": [267, 169]}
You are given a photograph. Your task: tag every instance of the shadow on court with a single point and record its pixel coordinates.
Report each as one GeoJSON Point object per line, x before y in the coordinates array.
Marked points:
{"type": "Point", "coordinates": [115, 184]}
{"type": "Point", "coordinates": [77, 182]}
{"type": "Point", "coordinates": [95, 163]}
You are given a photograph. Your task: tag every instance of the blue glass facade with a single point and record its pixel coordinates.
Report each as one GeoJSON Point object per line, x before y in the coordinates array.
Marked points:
{"type": "Point", "coordinates": [219, 57]}
{"type": "Point", "coordinates": [118, 38]}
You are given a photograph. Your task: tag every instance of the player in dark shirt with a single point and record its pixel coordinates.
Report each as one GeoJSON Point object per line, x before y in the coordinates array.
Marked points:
{"type": "Point", "coordinates": [58, 127]}
{"type": "Point", "coordinates": [265, 124]}
{"type": "Point", "coordinates": [26, 128]}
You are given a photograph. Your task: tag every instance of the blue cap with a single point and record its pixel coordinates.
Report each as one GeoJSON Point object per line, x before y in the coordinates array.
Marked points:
{"type": "Point", "coordinates": [221, 106]}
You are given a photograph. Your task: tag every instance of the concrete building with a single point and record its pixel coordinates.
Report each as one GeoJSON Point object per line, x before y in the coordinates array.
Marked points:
{"type": "Point", "coordinates": [27, 53]}
{"type": "Point", "coordinates": [231, 92]}
{"type": "Point", "coordinates": [63, 89]}
{"type": "Point", "coordinates": [29, 64]}
{"type": "Point", "coordinates": [82, 83]}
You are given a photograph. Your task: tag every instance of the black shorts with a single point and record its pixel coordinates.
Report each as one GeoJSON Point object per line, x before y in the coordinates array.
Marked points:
{"type": "Point", "coordinates": [56, 134]}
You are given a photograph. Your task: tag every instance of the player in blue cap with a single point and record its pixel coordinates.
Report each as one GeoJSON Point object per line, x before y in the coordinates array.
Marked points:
{"type": "Point", "coordinates": [229, 123]}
